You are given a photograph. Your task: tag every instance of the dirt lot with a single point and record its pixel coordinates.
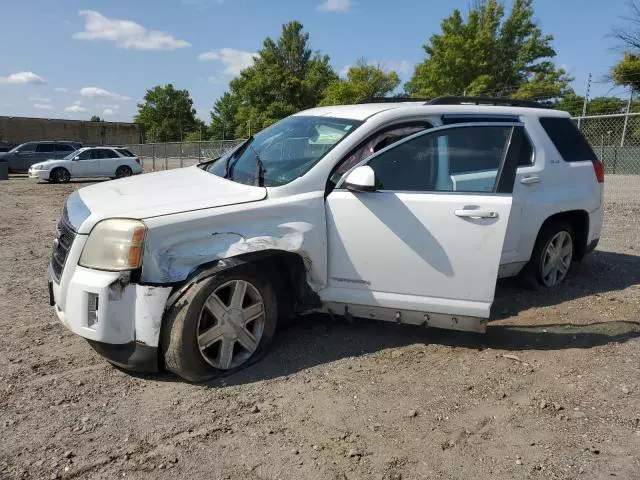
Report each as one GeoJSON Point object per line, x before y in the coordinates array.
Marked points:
{"type": "Point", "coordinates": [551, 391]}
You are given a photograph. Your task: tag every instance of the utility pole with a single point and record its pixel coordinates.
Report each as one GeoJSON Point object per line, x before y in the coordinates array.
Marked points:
{"type": "Point", "coordinates": [626, 118]}
{"type": "Point", "coordinates": [586, 100]}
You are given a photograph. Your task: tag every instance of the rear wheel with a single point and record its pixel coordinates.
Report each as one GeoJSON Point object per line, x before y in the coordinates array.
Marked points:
{"type": "Point", "coordinates": [123, 171]}
{"type": "Point", "coordinates": [60, 175]}
{"type": "Point", "coordinates": [552, 256]}
{"type": "Point", "coordinates": [221, 325]}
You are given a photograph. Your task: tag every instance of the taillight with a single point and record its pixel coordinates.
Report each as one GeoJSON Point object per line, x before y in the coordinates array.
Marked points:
{"type": "Point", "coordinates": [137, 160]}
{"type": "Point", "coordinates": [598, 168]}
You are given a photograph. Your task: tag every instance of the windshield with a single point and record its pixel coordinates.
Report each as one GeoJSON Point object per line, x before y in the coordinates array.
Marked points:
{"type": "Point", "coordinates": [73, 154]}
{"type": "Point", "coordinates": [285, 150]}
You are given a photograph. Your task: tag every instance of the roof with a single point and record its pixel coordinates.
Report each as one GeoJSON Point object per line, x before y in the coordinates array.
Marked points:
{"type": "Point", "coordinates": [366, 110]}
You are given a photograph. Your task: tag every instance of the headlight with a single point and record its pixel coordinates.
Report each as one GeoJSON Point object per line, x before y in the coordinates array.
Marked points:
{"type": "Point", "coordinates": [115, 244]}
{"type": "Point", "coordinates": [37, 167]}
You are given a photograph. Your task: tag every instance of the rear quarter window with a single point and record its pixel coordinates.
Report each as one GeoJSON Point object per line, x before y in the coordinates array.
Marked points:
{"type": "Point", "coordinates": [568, 140]}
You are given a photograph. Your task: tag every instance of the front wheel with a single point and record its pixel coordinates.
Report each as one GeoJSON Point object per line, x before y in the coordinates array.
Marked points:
{"type": "Point", "coordinates": [552, 256]}
{"type": "Point", "coordinates": [60, 175]}
{"type": "Point", "coordinates": [222, 324]}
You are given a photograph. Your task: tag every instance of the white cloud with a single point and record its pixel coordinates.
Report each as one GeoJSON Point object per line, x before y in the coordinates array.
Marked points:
{"type": "Point", "coordinates": [234, 60]}
{"type": "Point", "coordinates": [76, 108]}
{"type": "Point", "coordinates": [107, 111]}
{"type": "Point", "coordinates": [44, 106]}
{"type": "Point", "coordinates": [401, 67]}
{"type": "Point", "coordinates": [345, 70]}
{"type": "Point", "coordinates": [94, 92]}
{"type": "Point", "coordinates": [61, 89]}
{"type": "Point", "coordinates": [110, 106]}
{"type": "Point", "coordinates": [335, 6]}
{"type": "Point", "coordinates": [38, 98]}
{"type": "Point", "coordinates": [125, 33]}
{"type": "Point", "coordinates": [21, 78]}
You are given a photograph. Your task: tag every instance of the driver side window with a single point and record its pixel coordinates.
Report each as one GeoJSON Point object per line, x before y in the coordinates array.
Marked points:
{"type": "Point", "coordinates": [86, 155]}
{"type": "Point", "coordinates": [375, 143]}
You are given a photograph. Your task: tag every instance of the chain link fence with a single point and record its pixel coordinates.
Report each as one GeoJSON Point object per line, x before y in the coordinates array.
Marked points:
{"type": "Point", "coordinates": [164, 156]}
{"type": "Point", "coordinates": [615, 140]}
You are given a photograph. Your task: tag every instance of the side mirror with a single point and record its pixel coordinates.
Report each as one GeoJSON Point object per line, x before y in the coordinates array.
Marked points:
{"type": "Point", "coordinates": [361, 179]}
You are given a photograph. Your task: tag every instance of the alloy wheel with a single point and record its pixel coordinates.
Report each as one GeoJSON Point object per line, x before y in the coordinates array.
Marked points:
{"type": "Point", "coordinates": [556, 259]}
{"type": "Point", "coordinates": [231, 324]}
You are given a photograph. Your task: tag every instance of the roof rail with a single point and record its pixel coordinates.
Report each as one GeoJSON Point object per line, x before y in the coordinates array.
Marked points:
{"type": "Point", "coordinates": [506, 102]}
{"type": "Point", "coordinates": [394, 100]}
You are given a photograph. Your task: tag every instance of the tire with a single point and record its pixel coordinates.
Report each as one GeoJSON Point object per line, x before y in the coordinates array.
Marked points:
{"type": "Point", "coordinates": [123, 171]}
{"type": "Point", "coordinates": [193, 315]}
{"type": "Point", "coordinates": [60, 175]}
{"type": "Point", "coordinates": [539, 272]}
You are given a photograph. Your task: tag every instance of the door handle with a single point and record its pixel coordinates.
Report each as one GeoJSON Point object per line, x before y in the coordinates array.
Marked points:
{"type": "Point", "coordinates": [529, 180]}
{"type": "Point", "coordinates": [469, 213]}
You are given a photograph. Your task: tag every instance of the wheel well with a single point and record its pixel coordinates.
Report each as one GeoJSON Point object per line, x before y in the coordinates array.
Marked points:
{"type": "Point", "coordinates": [579, 221]}
{"type": "Point", "coordinates": [55, 169]}
{"type": "Point", "coordinates": [286, 270]}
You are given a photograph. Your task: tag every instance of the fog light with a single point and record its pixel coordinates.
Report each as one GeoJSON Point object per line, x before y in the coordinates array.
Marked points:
{"type": "Point", "coordinates": [92, 310]}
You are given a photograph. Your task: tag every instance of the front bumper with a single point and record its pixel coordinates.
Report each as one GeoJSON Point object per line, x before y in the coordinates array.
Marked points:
{"type": "Point", "coordinates": [41, 174]}
{"type": "Point", "coordinates": [121, 320]}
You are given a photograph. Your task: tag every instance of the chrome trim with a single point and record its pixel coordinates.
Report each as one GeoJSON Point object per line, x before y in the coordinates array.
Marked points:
{"type": "Point", "coordinates": [75, 211]}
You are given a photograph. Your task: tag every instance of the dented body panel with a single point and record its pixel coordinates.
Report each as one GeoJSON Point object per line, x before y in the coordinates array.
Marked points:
{"type": "Point", "coordinates": [178, 244]}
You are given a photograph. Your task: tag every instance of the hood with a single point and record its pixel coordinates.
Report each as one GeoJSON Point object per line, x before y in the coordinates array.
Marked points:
{"type": "Point", "coordinates": [48, 162]}
{"type": "Point", "coordinates": [163, 193]}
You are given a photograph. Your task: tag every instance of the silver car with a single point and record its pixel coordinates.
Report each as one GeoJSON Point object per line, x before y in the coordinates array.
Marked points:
{"type": "Point", "coordinates": [23, 156]}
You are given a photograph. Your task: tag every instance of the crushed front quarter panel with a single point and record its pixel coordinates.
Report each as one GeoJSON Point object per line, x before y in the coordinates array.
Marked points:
{"type": "Point", "coordinates": [177, 244]}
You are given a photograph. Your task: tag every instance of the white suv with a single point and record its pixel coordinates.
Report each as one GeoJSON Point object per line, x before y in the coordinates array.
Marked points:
{"type": "Point", "coordinates": [88, 162]}
{"type": "Point", "coordinates": [406, 212]}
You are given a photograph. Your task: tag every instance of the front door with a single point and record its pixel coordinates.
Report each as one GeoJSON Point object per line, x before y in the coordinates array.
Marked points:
{"type": "Point", "coordinates": [85, 164]}
{"type": "Point", "coordinates": [429, 238]}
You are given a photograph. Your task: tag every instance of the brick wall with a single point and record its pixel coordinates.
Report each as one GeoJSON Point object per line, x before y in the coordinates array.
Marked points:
{"type": "Point", "coordinates": [16, 130]}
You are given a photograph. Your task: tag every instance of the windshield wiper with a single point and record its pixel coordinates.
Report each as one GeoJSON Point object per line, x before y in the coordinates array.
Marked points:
{"type": "Point", "coordinates": [259, 167]}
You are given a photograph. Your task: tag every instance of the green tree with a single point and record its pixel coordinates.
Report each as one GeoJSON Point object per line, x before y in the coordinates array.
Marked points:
{"type": "Point", "coordinates": [363, 82]}
{"type": "Point", "coordinates": [223, 117]}
{"type": "Point", "coordinates": [489, 54]}
{"type": "Point", "coordinates": [95, 118]}
{"type": "Point", "coordinates": [287, 77]}
{"type": "Point", "coordinates": [596, 106]}
{"type": "Point", "coordinates": [627, 71]}
{"type": "Point", "coordinates": [200, 132]}
{"type": "Point", "coordinates": [166, 113]}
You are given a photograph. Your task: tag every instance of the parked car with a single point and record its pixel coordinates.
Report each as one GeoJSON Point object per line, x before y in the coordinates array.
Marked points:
{"type": "Point", "coordinates": [406, 212]}
{"type": "Point", "coordinates": [88, 162]}
{"type": "Point", "coordinates": [23, 156]}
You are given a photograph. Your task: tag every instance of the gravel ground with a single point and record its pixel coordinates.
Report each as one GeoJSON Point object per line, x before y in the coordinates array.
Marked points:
{"type": "Point", "coordinates": [550, 391]}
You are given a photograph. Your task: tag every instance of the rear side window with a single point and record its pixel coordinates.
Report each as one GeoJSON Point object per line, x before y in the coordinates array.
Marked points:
{"type": "Point", "coordinates": [45, 147]}
{"type": "Point", "coordinates": [567, 139]}
{"type": "Point", "coordinates": [125, 152]}
{"type": "Point", "coordinates": [526, 151]}
{"type": "Point", "coordinates": [63, 147]}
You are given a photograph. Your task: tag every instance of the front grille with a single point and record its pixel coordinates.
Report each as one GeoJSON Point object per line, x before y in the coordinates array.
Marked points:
{"type": "Point", "coordinates": [61, 245]}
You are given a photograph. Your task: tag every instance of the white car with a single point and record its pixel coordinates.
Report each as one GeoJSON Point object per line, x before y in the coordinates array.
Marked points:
{"type": "Point", "coordinates": [405, 212]}
{"type": "Point", "coordinates": [88, 162]}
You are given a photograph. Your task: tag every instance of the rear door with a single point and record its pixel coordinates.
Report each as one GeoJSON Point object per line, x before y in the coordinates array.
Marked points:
{"type": "Point", "coordinates": [109, 162]}
{"type": "Point", "coordinates": [44, 151]}
{"type": "Point", "coordinates": [63, 149]}
{"type": "Point", "coordinates": [429, 238]}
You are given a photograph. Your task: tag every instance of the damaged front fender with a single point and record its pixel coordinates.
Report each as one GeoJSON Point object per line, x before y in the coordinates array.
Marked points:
{"type": "Point", "coordinates": [175, 250]}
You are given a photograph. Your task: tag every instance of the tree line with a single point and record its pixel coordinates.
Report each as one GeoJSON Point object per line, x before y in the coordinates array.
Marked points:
{"type": "Point", "coordinates": [488, 53]}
